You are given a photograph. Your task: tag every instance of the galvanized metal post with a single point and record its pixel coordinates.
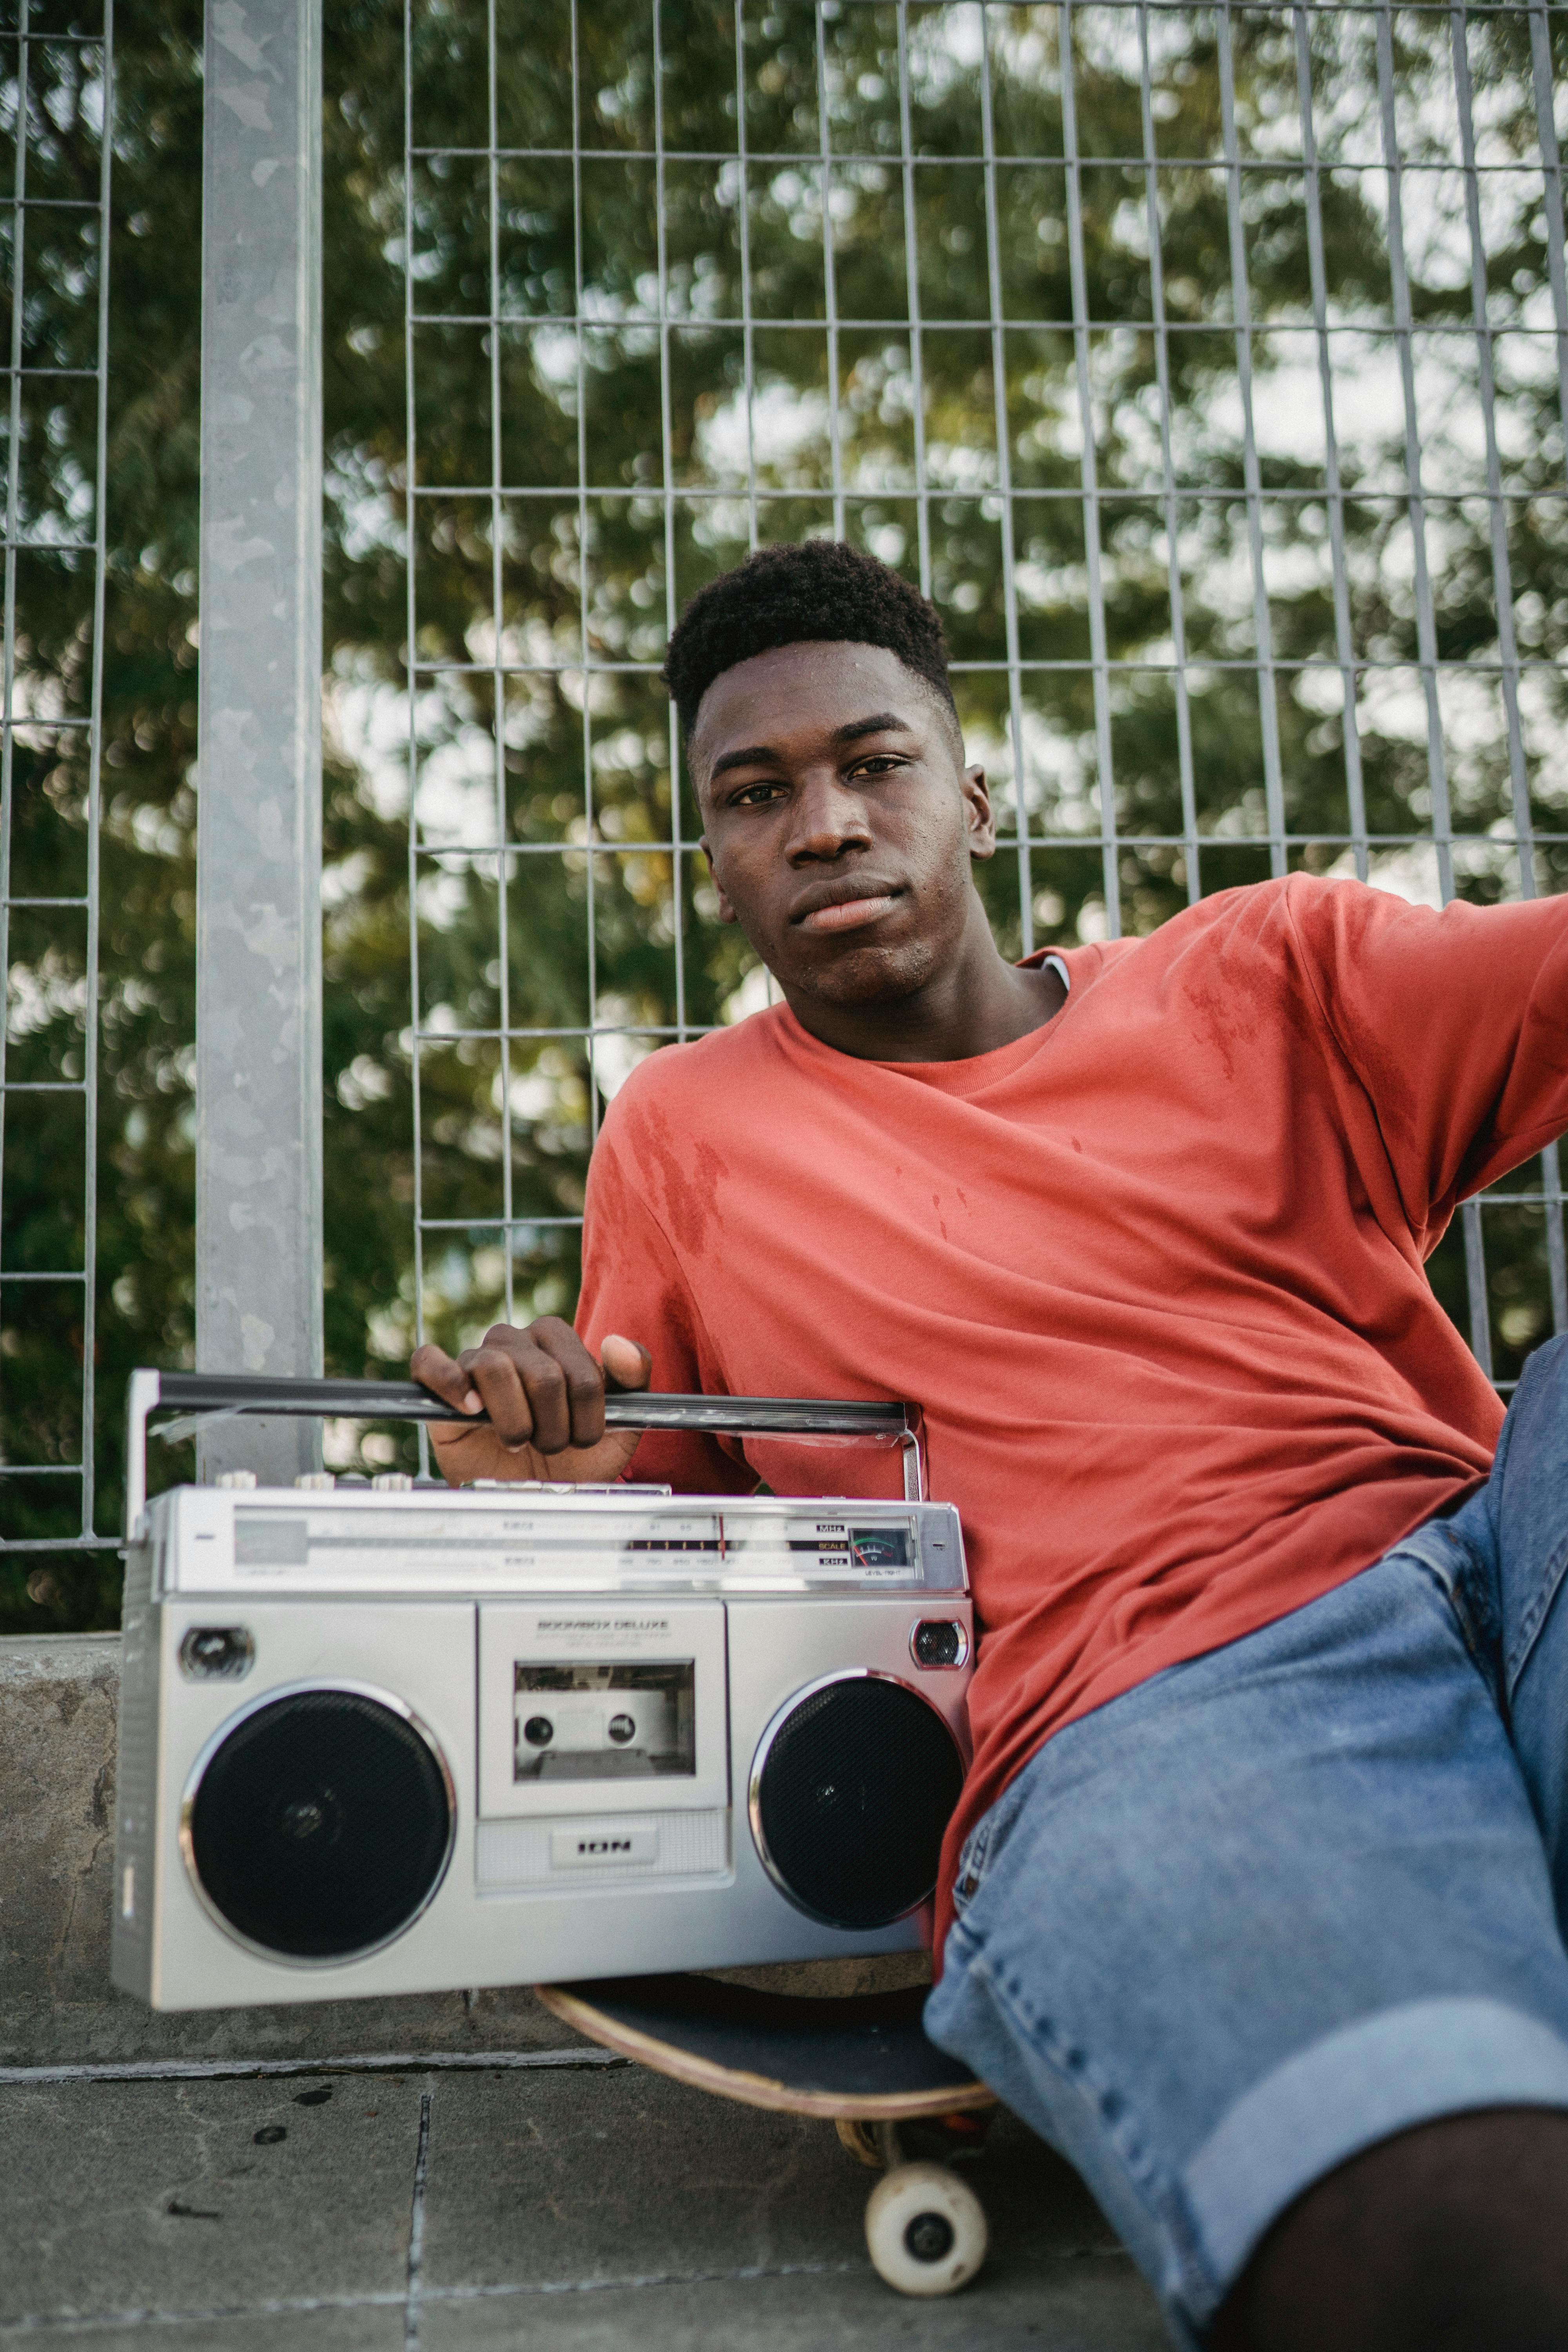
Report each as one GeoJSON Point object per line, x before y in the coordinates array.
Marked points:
{"type": "Point", "coordinates": [258, 964]}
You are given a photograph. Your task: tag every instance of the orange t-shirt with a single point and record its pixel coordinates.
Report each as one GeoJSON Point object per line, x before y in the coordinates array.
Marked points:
{"type": "Point", "coordinates": [1154, 1271]}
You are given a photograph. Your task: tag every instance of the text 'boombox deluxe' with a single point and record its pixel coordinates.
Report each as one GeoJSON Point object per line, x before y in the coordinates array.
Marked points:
{"type": "Point", "coordinates": [385, 1738]}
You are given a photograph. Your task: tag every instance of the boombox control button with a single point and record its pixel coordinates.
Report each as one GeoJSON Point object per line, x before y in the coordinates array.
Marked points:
{"type": "Point", "coordinates": [217, 1654]}
{"type": "Point", "coordinates": [939, 1641]}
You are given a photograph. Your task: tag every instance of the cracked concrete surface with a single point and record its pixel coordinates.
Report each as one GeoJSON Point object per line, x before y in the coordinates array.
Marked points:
{"type": "Point", "coordinates": [56, 1781]}
{"type": "Point", "coordinates": [424, 2206]}
{"type": "Point", "coordinates": [58, 1702]}
{"type": "Point", "coordinates": [588, 2207]}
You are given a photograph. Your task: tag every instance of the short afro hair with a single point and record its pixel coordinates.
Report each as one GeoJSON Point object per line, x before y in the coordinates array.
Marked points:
{"type": "Point", "coordinates": [818, 592]}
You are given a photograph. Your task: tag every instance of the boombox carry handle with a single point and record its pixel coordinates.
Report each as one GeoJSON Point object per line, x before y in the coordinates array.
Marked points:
{"type": "Point", "coordinates": [223, 1394]}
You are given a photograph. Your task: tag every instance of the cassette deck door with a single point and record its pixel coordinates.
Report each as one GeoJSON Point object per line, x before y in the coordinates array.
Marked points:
{"type": "Point", "coordinates": [591, 1704]}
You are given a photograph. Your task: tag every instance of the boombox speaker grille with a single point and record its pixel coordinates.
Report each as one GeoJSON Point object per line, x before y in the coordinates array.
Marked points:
{"type": "Point", "coordinates": [321, 1825]}
{"type": "Point", "coordinates": [853, 1789]}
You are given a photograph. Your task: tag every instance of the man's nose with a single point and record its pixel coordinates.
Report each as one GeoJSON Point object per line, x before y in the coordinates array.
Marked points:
{"type": "Point", "coordinates": [829, 819]}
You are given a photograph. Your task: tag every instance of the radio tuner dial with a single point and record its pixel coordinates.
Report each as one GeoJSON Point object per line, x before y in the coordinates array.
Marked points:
{"type": "Point", "coordinates": [938, 1642]}
{"type": "Point", "coordinates": [217, 1654]}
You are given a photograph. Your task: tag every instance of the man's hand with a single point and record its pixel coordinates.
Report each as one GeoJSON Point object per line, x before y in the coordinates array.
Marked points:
{"type": "Point", "coordinates": [545, 1398]}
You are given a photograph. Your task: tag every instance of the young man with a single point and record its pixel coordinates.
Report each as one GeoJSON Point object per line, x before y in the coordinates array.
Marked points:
{"type": "Point", "coordinates": [1249, 1907]}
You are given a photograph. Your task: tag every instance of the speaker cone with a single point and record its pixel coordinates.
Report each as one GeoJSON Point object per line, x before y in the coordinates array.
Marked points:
{"type": "Point", "coordinates": [852, 1787]}
{"type": "Point", "coordinates": [319, 1824]}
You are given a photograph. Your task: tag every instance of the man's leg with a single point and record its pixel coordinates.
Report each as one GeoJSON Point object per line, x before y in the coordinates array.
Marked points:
{"type": "Point", "coordinates": [1456, 2235]}
{"type": "Point", "coordinates": [1512, 1539]}
{"type": "Point", "coordinates": [1450, 2238]}
{"type": "Point", "coordinates": [1266, 1946]}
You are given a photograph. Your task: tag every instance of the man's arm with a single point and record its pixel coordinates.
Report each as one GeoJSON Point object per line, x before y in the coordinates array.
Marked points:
{"type": "Point", "coordinates": [1455, 1024]}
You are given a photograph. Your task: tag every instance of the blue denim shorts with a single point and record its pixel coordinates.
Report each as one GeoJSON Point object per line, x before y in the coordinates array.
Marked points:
{"type": "Point", "coordinates": [1287, 1899]}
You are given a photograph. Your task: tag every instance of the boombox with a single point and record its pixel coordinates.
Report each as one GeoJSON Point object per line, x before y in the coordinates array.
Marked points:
{"type": "Point", "coordinates": [391, 1737]}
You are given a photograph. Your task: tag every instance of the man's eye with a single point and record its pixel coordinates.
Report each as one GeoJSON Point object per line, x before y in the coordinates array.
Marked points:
{"type": "Point", "coordinates": [880, 764]}
{"type": "Point", "coordinates": [755, 796]}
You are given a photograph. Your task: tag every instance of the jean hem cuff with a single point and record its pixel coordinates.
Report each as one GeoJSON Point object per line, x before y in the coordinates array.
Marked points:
{"type": "Point", "coordinates": [1342, 2095]}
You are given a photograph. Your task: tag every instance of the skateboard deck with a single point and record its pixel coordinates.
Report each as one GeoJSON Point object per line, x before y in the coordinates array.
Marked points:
{"type": "Point", "coordinates": [865, 2058]}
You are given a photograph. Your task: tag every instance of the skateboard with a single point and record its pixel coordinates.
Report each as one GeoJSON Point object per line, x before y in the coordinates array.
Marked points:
{"type": "Point", "coordinates": [902, 2104]}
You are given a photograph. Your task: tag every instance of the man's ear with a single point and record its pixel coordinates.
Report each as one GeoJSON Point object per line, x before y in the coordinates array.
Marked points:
{"type": "Point", "coordinates": [980, 822]}
{"type": "Point", "coordinates": [726, 912]}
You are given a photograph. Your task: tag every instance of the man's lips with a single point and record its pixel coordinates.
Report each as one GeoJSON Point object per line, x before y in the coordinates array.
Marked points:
{"type": "Point", "coordinates": [848, 915]}
{"type": "Point", "coordinates": [846, 907]}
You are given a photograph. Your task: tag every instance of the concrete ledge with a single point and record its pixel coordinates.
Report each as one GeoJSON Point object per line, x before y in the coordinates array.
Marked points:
{"type": "Point", "coordinates": [58, 1701]}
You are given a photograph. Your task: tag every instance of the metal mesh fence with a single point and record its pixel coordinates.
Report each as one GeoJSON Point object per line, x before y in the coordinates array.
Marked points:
{"type": "Point", "coordinates": [1207, 365]}
{"type": "Point", "coordinates": [55, 159]}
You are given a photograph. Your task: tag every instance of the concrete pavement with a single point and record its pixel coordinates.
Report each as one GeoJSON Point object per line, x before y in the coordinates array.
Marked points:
{"type": "Point", "coordinates": [575, 2203]}
{"type": "Point", "coordinates": [225, 2182]}
{"type": "Point", "coordinates": [58, 1702]}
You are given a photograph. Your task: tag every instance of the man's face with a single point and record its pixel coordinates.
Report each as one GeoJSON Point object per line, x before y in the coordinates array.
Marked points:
{"type": "Point", "coordinates": [839, 819]}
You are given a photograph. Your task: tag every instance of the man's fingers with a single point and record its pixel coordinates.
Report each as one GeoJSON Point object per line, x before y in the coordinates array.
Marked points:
{"type": "Point", "coordinates": [435, 1370]}
{"type": "Point", "coordinates": [576, 1397]}
{"type": "Point", "coordinates": [497, 1369]}
{"type": "Point", "coordinates": [539, 1388]}
{"type": "Point", "coordinates": [627, 1363]}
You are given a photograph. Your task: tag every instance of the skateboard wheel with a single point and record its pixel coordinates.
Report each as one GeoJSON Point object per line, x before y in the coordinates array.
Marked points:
{"type": "Point", "coordinates": [925, 2229]}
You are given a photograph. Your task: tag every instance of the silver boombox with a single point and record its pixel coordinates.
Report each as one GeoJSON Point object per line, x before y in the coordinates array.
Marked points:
{"type": "Point", "coordinates": [394, 1738]}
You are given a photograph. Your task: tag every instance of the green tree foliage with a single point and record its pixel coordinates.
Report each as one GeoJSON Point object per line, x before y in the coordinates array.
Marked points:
{"type": "Point", "coordinates": [147, 878]}
{"type": "Point", "coordinates": [581, 388]}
